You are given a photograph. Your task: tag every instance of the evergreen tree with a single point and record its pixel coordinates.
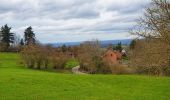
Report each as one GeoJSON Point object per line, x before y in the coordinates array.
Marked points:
{"type": "Point", "coordinates": [119, 47]}
{"type": "Point", "coordinates": [132, 44]}
{"type": "Point", "coordinates": [22, 42]}
{"type": "Point", "coordinates": [64, 48]}
{"type": "Point", "coordinates": [29, 36]}
{"type": "Point", "coordinates": [6, 36]}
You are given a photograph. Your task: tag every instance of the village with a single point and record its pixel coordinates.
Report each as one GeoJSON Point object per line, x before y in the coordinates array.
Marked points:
{"type": "Point", "coordinates": [84, 49]}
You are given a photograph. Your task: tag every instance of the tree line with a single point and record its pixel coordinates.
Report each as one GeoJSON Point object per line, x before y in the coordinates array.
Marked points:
{"type": "Point", "coordinates": [9, 40]}
{"type": "Point", "coordinates": [89, 55]}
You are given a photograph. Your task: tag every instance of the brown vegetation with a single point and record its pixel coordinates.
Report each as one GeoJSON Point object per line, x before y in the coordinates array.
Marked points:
{"type": "Point", "coordinates": [90, 56]}
{"type": "Point", "coordinates": [152, 54]}
{"type": "Point", "coordinates": [92, 59]}
{"type": "Point", "coordinates": [40, 57]}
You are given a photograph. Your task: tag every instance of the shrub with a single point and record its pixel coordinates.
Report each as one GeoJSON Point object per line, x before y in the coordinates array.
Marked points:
{"type": "Point", "coordinates": [150, 57]}
{"type": "Point", "coordinates": [90, 56]}
{"type": "Point", "coordinates": [58, 59]}
{"type": "Point", "coordinates": [120, 69]}
{"type": "Point", "coordinates": [35, 56]}
{"type": "Point", "coordinates": [71, 63]}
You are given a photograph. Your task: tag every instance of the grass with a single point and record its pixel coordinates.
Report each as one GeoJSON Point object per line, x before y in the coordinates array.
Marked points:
{"type": "Point", "coordinates": [20, 83]}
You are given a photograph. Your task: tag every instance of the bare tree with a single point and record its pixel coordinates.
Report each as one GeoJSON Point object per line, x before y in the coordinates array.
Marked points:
{"type": "Point", "coordinates": [58, 58]}
{"type": "Point", "coordinates": [156, 21]}
{"type": "Point", "coordinates": [36, 56]}
{"type": "Point", "coordinates": [150, 54]}
{"type": "Point", "coordinates": [90, 56]}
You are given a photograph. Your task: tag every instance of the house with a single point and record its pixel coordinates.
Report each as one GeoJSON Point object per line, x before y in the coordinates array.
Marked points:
{"type": "Point", "coordinates": [113, 57]}
{"type": "Point", "coordinates": [124, 53]}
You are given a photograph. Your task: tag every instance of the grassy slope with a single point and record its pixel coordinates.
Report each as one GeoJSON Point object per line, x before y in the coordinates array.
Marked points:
{"type": "Point", "coordinates": [18, 83]}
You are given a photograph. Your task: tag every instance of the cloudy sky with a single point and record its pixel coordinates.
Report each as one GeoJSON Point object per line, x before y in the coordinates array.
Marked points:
{"type": "Point", "coordinates": [72, 20]}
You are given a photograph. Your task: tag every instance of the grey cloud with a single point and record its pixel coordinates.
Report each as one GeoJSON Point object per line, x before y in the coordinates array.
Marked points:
{"type": "Point", "coordinates": [132, 7]}
{"type": "Point", "coordinates": [54, 9]}
{"type": "Point", "coordinates": [65, 18]}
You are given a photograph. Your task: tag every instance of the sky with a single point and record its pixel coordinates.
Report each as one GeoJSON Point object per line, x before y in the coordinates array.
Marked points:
{"type": "Point", "coordinates": [72, 20]}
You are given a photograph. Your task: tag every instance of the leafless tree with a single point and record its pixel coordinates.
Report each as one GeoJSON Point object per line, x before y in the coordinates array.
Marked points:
{"type": "Point", "coordinates": [36, 56]}
{"type": "Point", "coordinates": [151, 52]}
{"type": "Point", "coordinates": [90, 57]}
{"type": "Point", "coordinates": [156, 21]}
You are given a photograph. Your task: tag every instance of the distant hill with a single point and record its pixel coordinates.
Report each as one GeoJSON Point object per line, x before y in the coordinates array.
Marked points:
{"type": "Point", "coordinates": [104, 43]}
{"type": "Point", "coordinates": [115, 42]}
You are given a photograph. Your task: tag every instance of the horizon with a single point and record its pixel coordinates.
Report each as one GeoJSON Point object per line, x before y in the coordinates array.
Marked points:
{"type": "Point", "coordinates": [103, 43]}
{"type": "Point", "coordinates": [88, 40]}
{"type": "Point", "coordinates": [72, 21]}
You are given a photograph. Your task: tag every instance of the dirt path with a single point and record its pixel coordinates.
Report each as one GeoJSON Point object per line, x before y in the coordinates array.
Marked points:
{"type": "Point", "coordinates": [75, 70]}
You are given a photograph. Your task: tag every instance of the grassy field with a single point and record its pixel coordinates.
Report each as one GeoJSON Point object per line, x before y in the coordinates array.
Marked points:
{"type": "Point", "coordinates": [20, 83]}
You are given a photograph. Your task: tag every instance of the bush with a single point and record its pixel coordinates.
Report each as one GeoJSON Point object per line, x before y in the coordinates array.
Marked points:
{"type": "Point", "coordinates": [58, 59]}
{"type": "Point", "coordinates": [120, 69]}
{"type": "Point", "coordinates": [90, 56]}
{"type": "Point", "coordinates": [150, 57]}
{"type": "Point", "coordinates": [71, 63]}
{"type": "Point", "coordinates": [39, 56]}
{"type": "Point", "coordinates": [35, 56]}
{"type": "Point", "coordinates": [3, 47]}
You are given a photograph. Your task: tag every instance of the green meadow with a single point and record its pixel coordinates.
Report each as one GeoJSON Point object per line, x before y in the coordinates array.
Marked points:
{"type": "Point", "coordinates": [20, 83]}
